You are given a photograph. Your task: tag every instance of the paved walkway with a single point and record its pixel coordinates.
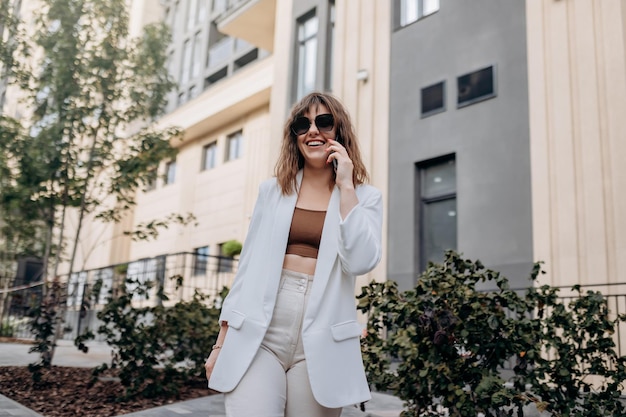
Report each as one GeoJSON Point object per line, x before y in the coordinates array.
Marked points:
{"type": "Point", "coordinates": [12, 354]}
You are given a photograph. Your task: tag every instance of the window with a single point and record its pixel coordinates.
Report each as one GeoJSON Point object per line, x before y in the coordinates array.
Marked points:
{"type": "Point", "coordinates": [170, 172]}
{"type": "Point", "coordinates": [246, 59]}
{"type": "Point", "coordinates": [225, 263]}
{"type": "Point", "coordinates": [17, 8]}
{"type": "Point", "coordinates": [433, 99]}
{"type": "Point", "coordinates": [192, 11]}
{"type": "Point", "coordinates": [436, 209]}
{"type": "Point", "coordinates": [105, 277]}
{"type": "Point", "coordinates": [209, 153]}
{"type": "Point", "coordinates": [314, 40]}
{"type": "Point", "coordinates": [213, 78]}
{"type": "Point", "coordinates": [170, 62]}
{"type": "Point", "coordinates": [219, 6]}
{"type": "Point", "coordinates": [200, 260]}
{"type": "Point", "coordinates": [307, 55]}
{"type": "Point", "coordinates": [234, 143]}
{"type": "Point", "coordinates": [476, 86]}
{"type": "Point", "coordinates": [151, 177]}
{"type": "Point", "coordinates": [202, 11]}
{"type": "Point", "coordinates": [196, 63]}
{"type": "Point", "coordinates": [75, 288]}
{"type": "Point", "coordinates": [175, 16]}
{"type": "Point", "coordinates": [185, 69]}
{"type": "Point", "coordinates": [413, 10]}
{"type": "Point", "coordinates": [200, 54]}
{"type": "Point", "coordinates": [331, 43]}
{"type": "Point", "coordinates": [220, 49]}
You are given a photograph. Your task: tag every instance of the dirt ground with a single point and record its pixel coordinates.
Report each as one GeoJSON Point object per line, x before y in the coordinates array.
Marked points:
{"type": "Point", "coordinates": [67, 392]}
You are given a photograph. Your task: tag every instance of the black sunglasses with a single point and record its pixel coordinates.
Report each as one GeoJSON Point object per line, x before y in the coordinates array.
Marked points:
{"type": "Point", "coordinates": [324, 122]}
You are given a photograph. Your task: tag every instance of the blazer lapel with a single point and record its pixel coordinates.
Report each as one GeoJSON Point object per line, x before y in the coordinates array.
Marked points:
{"type": "Point", "coordinates": [280, 234]}
{"type": "Point", "coordinates": [327, 255]}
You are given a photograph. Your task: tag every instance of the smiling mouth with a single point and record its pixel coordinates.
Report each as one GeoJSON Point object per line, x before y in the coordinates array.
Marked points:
{"type": "Point", "coordinates": [315, 143]}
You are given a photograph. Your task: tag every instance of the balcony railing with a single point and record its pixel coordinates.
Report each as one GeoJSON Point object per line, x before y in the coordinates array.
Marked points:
{"type": "Point", "coordinates": [220, 52]}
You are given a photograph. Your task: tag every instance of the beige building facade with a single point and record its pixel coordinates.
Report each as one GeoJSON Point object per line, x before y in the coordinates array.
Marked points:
{"type": "Point", "coordinates": [246, 110]}
{"type": "Point", "coordinates": [577, 102]}
{"type": "Point", "coordinates": [240, 65]}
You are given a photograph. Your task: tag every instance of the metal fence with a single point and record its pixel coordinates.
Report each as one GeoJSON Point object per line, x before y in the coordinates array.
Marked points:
{"type": "Point", "coordinates": [194, 272]}
{"type": "Point", "coordinates": [179, 275]}
{"type": "Point", "coordinates": [615, 296]}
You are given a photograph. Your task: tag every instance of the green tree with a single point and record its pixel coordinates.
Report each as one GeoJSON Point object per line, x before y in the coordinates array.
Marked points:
{"type": "Point", "coordinates": [90, 142]}
{"type": "Point", "coordinates": [21, 226]}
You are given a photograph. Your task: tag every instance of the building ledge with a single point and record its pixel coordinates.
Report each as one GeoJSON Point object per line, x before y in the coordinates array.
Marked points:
{"type": "Point", "coordinates": [224, 102]}
{"type": "Point", "coordinates": [250, 20]}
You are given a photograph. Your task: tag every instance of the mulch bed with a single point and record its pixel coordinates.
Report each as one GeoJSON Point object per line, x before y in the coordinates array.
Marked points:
{"type": "Point", "coordinates": [66, 392]}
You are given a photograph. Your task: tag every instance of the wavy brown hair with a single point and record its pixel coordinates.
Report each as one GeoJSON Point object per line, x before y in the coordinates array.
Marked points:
{"type": "Point", "coordinates": [290, 160]}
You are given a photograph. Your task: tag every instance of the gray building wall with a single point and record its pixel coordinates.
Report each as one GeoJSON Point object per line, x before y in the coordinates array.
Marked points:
{"type": "Point", "coordinates": [490, 139]}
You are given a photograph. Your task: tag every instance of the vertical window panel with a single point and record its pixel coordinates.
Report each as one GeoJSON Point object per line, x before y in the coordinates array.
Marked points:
{"type": "Point", "coordinates": [170, 172]}
{"type": "Point", "coordinates": [331, 47]}
{"type": "Point", "coordinates": [439, 218]}
{"type": "Point", "coordinates": [307, 55]}
{"type": "Point", "coordinates": [200, 260]}
{"type": "Point", "coordinates": [437, 210]}
{"type": "Point", "coordinates": [196, 63]}
{"type": "Point", "coordinates": [235, 146]}
{"type": "Point", "coordinates": [429, 7]}
{"type": "Point", "coordinates": [150, 183]}
{"type": "Point", "coordinates": [202, 11]}
{"type": "Point", "coordinates": [174, 20]}
{"type": "Point", "coordinates": [192, 6]}
{"type": "Point", "coordinates": [225, 263]}
{"type": "Point", "coordinates": [219, 6]}
{"type": "Point", "coordinates": [209, 154]}
{"type": "Point", "coordinates": [408, 11]}
{"type": "Point", "coordinates": [186, 67]}
{"type": "Point", "coordinates": [413, 10]}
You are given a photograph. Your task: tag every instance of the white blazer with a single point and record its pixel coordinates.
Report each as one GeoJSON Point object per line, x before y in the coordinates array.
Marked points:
{"type": "Point", "coordinates": [330, 332]}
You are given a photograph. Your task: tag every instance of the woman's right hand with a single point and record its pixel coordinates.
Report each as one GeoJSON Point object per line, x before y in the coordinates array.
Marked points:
{"type": "Point", "coordinates": [210, 363]}
{"type": "Point", "coordinates": [215, 350]}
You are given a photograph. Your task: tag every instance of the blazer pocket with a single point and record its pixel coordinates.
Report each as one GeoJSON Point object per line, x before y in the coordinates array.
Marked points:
{"type": "Point", "coordinates": [345, 330]}
{"type": "Point", "coordinates": [236, 319]}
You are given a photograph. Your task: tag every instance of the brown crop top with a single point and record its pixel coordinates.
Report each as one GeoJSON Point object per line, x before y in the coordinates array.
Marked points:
{"type": "Point", "coordinates": [306, 232]}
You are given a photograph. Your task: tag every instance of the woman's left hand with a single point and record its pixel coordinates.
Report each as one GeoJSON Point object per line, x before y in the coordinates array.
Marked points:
{"type": "Point", "coordinates": [344, 164]}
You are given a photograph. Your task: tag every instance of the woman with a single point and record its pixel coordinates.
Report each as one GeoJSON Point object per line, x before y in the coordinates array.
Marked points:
{"type": "Point", "coordinates": [289, 339]}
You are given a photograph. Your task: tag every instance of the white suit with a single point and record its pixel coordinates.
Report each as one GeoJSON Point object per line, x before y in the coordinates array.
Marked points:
{"type": "Point", "coordinates": [330, 332]}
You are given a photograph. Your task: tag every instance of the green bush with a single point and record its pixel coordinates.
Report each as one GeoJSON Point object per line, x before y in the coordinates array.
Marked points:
{"type": "Point", "coordinates": [157, 349]}
{"type": "Point", "coordinates": [7, 330]}
{"type": "Point", "coordinates": [446, 343]}
{"type": "Point", "coordinates": [578, 346]}
{"type": "Point", "coordinates": [231, 248]}
{"type": "Point", "coordinates": [44, 317]}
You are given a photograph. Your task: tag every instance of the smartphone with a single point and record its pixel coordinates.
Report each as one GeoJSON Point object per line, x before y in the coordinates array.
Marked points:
{"type": "Point", "coordinates": [338, 139]}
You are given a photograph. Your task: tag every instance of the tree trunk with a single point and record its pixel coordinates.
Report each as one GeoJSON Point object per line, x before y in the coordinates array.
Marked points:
{"type": "Point", "coordinates": [81, 215]}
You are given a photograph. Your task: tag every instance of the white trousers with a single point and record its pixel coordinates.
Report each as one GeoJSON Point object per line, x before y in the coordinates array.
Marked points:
{"type": "Point", "coordinates": [277, 382]}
